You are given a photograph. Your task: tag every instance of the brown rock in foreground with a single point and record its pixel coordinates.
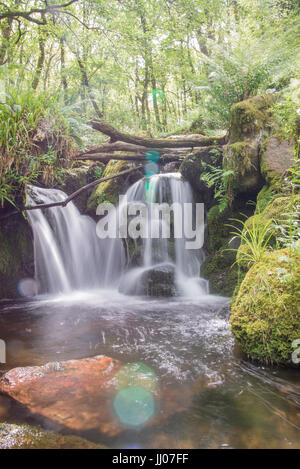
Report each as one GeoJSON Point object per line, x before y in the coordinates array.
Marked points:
{"type": "Point", "coordinates": [76, 394]}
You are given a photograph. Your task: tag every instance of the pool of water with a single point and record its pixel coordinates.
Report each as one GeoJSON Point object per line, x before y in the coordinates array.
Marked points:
{"type": "Point", "coordinates": [220, 399]}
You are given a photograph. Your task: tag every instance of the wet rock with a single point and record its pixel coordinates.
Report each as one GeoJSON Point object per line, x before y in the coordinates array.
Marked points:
{"type": "Point", "coordinates": [75, 395]}
{"type": "Point", "coordinates": [171, 167]}
{"type": "Point", "coordinates": [16, 255]}
{"type": "Point", "coordinates": [159, 281]}
{"type": "Point", "coordinates": [197, 163]}
{"type": "Point", "coordinates": [73, 179]}
{"type": "Point", "coordinates": [79, 395]}
{"type": "Point", "coordinates": [28, 437]}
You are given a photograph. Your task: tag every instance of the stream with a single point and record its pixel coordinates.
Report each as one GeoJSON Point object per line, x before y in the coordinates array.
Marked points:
{"type": "Point", "coordinates": [213, 396]}
{"type": "Point", "coordinates": [219, 399]}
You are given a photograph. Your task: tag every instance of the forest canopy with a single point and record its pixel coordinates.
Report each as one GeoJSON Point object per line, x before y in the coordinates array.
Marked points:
{"type": "Point", "coordinates": [155, 64]}
{"type": "Point", "coordinates": [158, 67]}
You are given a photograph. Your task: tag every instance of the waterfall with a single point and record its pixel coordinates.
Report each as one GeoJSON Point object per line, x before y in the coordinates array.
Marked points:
{"type": "Point", "coordinates": [69, 256]}
{"type": "Point", "coordinates": [166, 188]}
{"type": "Point", "coordinates": [67, 252]}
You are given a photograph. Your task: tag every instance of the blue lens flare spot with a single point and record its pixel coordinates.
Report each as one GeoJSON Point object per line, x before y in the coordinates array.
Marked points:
{"type": "Point", "coordinates": [152, 155]}
{"type": "Point", "coordinates": [134, 406]}
{"type": "Point", "coordinates": [151, 169]}
{"type": "Point", "coordinates": [136, 374]}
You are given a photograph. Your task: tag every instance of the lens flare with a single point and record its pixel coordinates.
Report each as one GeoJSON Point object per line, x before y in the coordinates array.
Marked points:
{"type": "Point", "coordinates": [28, 287]}
{"type": "Point", "coordinates": [134, 406]}
{"type": "Point", "coordinates": [151, 169]}
{"type": "Point", "coordinates": [152, 155]}
{"type": "Point", "coordinates": [136, 374]}
{"type": "Point", "coordinates": [157, 93]}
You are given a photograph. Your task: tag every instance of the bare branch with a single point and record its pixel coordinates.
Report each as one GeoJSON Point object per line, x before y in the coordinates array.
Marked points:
{"type": "Point", "coordinates": [72, 196]}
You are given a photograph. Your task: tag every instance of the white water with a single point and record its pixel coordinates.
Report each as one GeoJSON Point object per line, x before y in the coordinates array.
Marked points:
{"type": "Point", "coordinates": [69, 256]}
{"type": "Point", "coordinates": [67, 252]}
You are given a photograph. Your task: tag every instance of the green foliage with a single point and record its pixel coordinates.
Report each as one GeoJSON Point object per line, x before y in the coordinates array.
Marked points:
{"type": "Point", "coordinates": [34, 139]}
{"type": "Point", "coordinates": [219, 178]}
{"type": "Point", "coordinates": [255, 237]}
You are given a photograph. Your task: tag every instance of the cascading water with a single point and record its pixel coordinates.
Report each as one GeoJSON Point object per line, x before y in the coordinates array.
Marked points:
{"type": "Point", "coordinates": [69, 255]}
{"type": "Point", "coordinates": [166, 188]}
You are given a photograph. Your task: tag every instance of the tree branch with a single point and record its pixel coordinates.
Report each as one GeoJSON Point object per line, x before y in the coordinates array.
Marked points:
{"type": "Point", "coordinates": [40, 11]}
{"type": "Point", "coordinates": [116, 135]}
{"type": "Point", "coordinates": [72, 196]}
{"type": "Point", "coordinates": [105, 157]}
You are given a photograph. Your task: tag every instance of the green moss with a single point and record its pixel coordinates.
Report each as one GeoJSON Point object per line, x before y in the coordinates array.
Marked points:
{"type": "Point", "coordinates": [217, 267]}
{"type": "Point", "coordinates": [242, 159]}
{"type": "Point", "coordinates": [278, 211]}
{"type": "Point", "coordinates": [16, 255]}
{"type": "Point", "coordinates": [265, 315]}
{"type": "Point", "coordinates": [28, 437]}
{"type": "Point", "coordinates": [222, 276]}
{"type": "Point", "coordinates": [108, 191]}
{"type": "Point", "coordinates": [249, 117]}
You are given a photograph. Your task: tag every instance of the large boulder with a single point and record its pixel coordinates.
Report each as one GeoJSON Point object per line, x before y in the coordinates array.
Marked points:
{"type": "Point", "coordinates": [70, 180]}
{"type": "Point", "coordinates": [265, 314]}
{"type": "Point", "coordinates": [154, 281]}
{"type": "Point", "coordinates": [74, 395]}
{"type": "Point", "coordinates": [28, 437]}
{"type": "Point", "coordinates": [16, 254]}
{"type": "Point", "coordinates": [250, 118]}
{"type": "Point", "coordinates": [197, 163]}
{"type": "Point", "coordinates": [99, 395]}
{"type": "Point", "coordinates": [159, 281]}
{"type": "Point", "coordinates": [276, 159]}
{"type": "Point", "coordinates": [242, 158]}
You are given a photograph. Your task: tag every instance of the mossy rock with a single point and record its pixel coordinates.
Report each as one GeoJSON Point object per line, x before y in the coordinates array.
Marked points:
{"type": "Point", "coordinates": [110, 190]}
{"type": "Point", "coordinates": [278, 210]}
{"type": "Point", "coordinates": [218, 266]}
{"type": "Point", "coordinates": [222, 275]}
{"type": "Point", "coordinates": [276, 159]}
{"type": "Point", "coordinates": [71, 180]}
{"type": "Point", "coordinates": [28, 437]}
{"type": "Point", "coordinates": [243, 159]}
{"type": "Point", "coordinates": [250, 117]}
{"type": "Point", "coordinates": [16, 254]}
{"type": "Point", "coordinates": [265, 315]}
{"type": "Point", "coordinates": [194, 165]}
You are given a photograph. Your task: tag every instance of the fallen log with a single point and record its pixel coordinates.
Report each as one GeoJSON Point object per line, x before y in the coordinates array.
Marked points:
{"type": "Point", "coordinates": [116, 135]}
{"type": "Point", "coordinates": [123, 146]}
{"type": "Point", "coordinates": [72, 196]}
{"type": "Point", "coordinates": [105, 157]}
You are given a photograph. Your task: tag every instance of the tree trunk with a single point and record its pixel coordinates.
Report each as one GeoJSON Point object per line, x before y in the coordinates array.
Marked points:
{"type": "Point", "coordinates": [41, 60]}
